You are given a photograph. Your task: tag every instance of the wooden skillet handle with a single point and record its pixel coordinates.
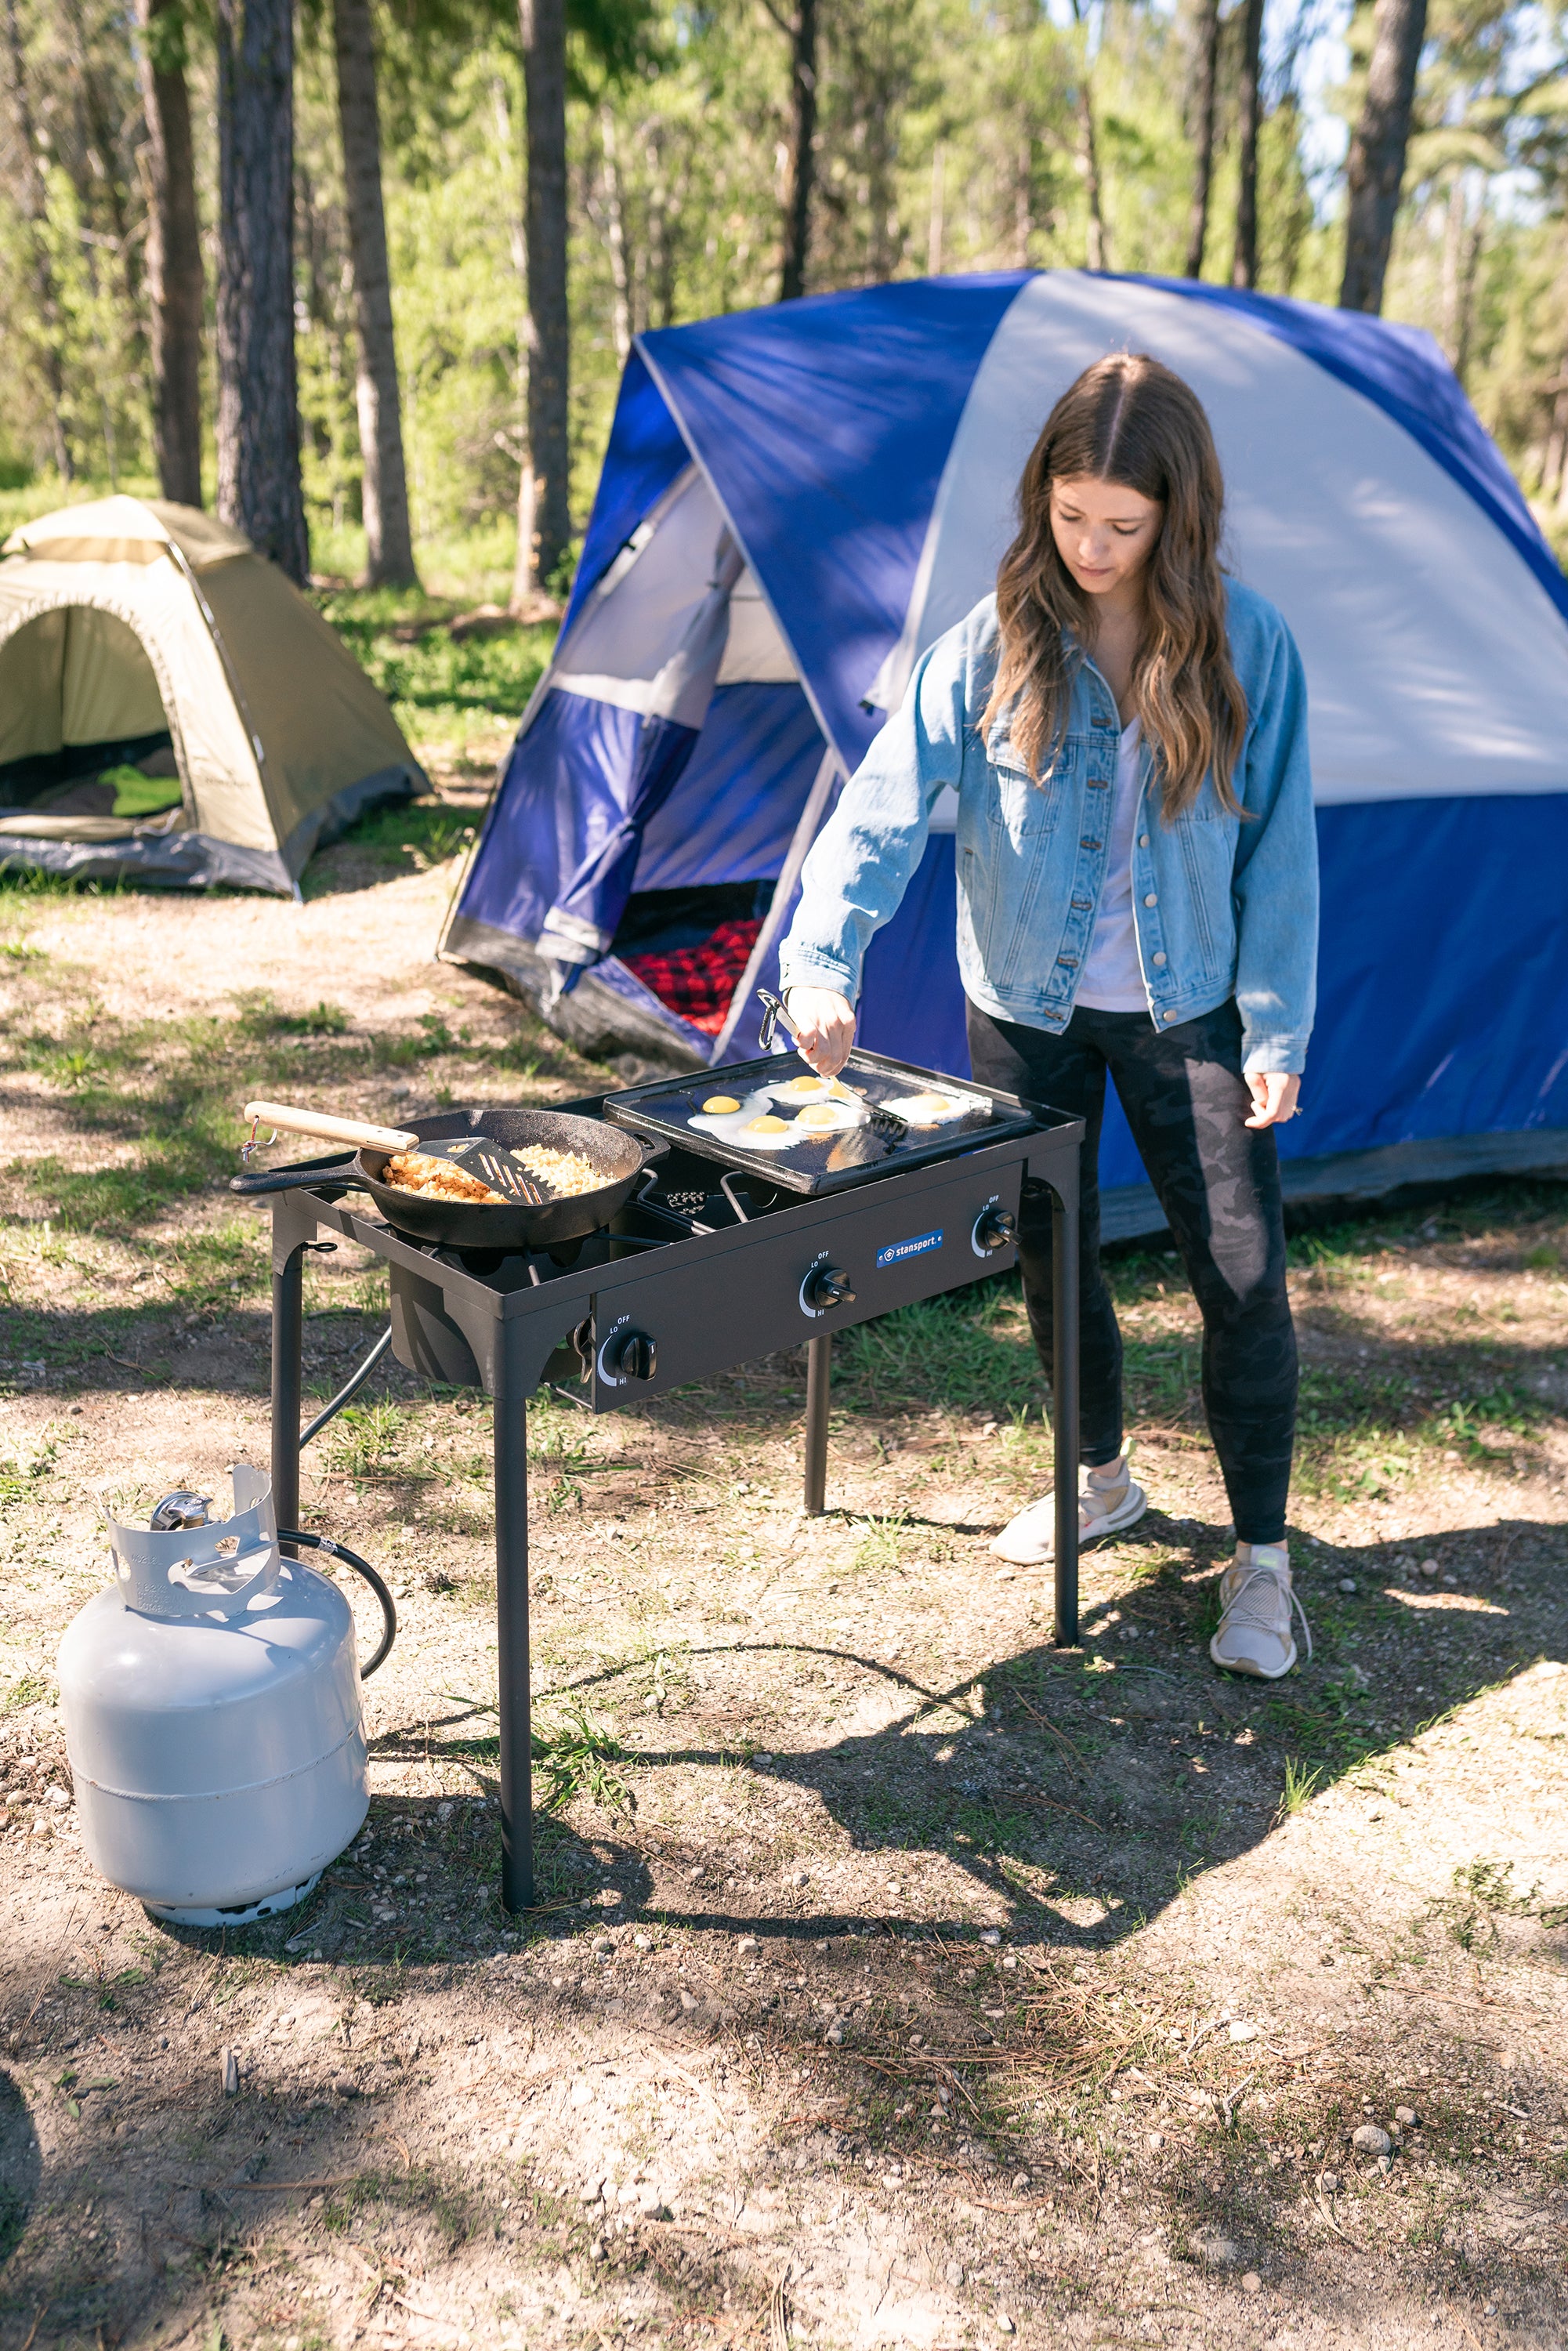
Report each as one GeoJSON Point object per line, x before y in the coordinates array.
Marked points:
{"type": "Point", "coordinates": [335, 1130]}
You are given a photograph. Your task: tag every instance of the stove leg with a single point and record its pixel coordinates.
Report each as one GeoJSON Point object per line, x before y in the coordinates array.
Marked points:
{"type": "Point", "coordinates": [818, 1379]}
{"type": "Point", "coordinates": [513, 1685]}
{"type": "Point", "coordinates": [1064, 1411]}
{"type": "Point", "coordinates": [287, 1333]}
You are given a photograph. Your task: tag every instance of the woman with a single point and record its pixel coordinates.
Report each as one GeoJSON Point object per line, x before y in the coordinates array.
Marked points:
{"type": "Point", "coordinates": [1137, 893]}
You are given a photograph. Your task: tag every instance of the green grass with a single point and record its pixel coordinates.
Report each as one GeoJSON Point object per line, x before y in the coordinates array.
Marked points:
{"type": "Point", "coordinates": [442, 690]}
{"type": "Point", "coordinates": [172, 1089]}
{"type": "Point", "coordinates": [1300, 1786]}
{"type": "Point", "coordinates": [365, 1439]}
{"type": "Point", "coordinates": [970, 1350]}
{"type": "Point", "coordinates": [260, 1017]}
{"type": "Point", "coordinates": [580, 1757]}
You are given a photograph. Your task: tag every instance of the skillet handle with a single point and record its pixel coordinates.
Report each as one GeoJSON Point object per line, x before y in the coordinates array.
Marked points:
{"type": "Point", "coordinates": [337, 1130]}
{"type": "Point", "coordinates": [338, 1172]}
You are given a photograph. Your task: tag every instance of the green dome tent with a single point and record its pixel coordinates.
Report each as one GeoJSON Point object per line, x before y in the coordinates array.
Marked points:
{"type": "Point", "coordinates": [173, 709]}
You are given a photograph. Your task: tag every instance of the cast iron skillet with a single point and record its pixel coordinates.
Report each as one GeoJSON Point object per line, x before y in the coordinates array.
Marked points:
{"type": "Point", "coordinates": [471, 1224]}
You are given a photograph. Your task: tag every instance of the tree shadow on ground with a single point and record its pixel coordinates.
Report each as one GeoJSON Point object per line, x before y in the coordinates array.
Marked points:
{"type": "Point", "coordinates": [1083, 1789]}
{"type": "Point", "coordinates": [21, 2167]}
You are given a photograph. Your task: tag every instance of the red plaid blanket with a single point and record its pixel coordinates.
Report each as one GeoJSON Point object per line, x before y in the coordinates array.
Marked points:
{"type": "Point", "coordinates": [698, 982]}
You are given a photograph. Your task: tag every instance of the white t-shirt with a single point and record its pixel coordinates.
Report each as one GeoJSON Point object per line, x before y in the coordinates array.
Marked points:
{"type": "Point", "coordinates": [1113, 977]}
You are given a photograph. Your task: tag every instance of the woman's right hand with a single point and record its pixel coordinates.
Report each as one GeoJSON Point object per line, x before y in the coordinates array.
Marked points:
{"type": "Point", "coordinates": [827, 1028]}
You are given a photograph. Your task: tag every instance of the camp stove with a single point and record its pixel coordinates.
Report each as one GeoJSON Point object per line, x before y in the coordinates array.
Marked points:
{"type": "Point", "coordinates": [708, 1265]}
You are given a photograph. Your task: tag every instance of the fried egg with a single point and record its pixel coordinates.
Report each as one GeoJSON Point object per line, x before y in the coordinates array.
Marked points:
{"type": "Point", "coordinates": [929, 1109]}
{"type": "Point", "coordinates": [721, 1114]}
{"type": "Point", "coordinates": [762, 1133]}
{"type": "Point", "coordinates": [830, 1117]}
{"type": "Point", "coordinates": [810, 1088]}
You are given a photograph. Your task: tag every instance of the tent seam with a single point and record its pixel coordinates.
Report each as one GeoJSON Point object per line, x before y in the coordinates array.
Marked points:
{"type": "Point", "coordinates": [806, 686]}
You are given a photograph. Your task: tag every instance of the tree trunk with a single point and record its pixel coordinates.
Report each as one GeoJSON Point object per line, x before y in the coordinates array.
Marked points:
{"type": "Point", "coordinates": [1097, 243]}
{"type": "Point", "coordinates": [1023, 202]}
{"type": "Point", "coordinates": [258, 408]}
{"type": "Point", "coordinates": [174, 292]}
{"type": "Point", "coordinates": [1244, 264]}
{"type": "Point", "coordinates": [933, 224]}
{"type": "Point", "coordinates": [1474, 240]}
{"type": "Point", "coordinates": [1206, 81]}
{"type": "Point", "coordinates": [615, 233]}
{"type": "Point", "coordinates": [1454, 230]}
{"type": "Point", "coordinates": [51, 358]}
{"type": "Point", "coordinates": [544, 505]}
{"type": "Point", "coordinates": [802, 153]}
{"type": "Point", "coordinates": [662, 210]}
{"type": "Point", "coordinates": [103, 189]}
{"type": "Point", "coordinates": [383, 494]}
{"type": "Point", "coordinates": [1375, 170]}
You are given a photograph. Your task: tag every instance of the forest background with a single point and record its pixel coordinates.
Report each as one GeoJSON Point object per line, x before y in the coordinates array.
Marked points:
{"type": "Point", "coordinates": [551, 179]}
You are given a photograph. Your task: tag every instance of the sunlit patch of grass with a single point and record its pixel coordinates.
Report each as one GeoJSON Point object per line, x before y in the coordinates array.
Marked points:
{"type": "Point", "coordinates": [580, 1757]}
{"type": "Point", "coordinates": [969, 1349]}
{"type": "Point", "coordinates": [29, 1690]}
{"type": "Point", "coordinates": [365, 1438]}
{"type": "Point", "coordinates": [1160, 1373]}
{"type": "Point", "coordinates": [25, 881]}
{"type": "Point", "coordinates": [880, 1543]}
{"type": "Point", "coordinates": [1301, 1781]}
{"type": "Point", "coordinates": [1484, 1892]}
{"type": "Point", "coordinates": [433, 680]}
{"type": "Point", "coordinates": [260, 1015]}
{"type": "Point", "coordinates": [432, 1036]}
{"type": "Point", "coordinates": [425, 832]}
{"type": "Point", "coordinates": [22, 1470]}
{"type": "Point", "coordinates": [171, 1089]}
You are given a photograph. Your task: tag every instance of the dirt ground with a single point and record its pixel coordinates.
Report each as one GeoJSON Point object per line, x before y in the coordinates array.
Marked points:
{"type": "Point", "coordinates": [897, 1979]}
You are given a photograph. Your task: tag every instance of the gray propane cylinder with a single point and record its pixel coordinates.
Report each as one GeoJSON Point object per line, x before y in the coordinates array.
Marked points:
{"type": "Point", "coordinates": [211, 1700]}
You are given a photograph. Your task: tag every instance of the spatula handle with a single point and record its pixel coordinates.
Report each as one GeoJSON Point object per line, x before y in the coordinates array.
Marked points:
{"type": "Point", "coordinates": [336, 1130]}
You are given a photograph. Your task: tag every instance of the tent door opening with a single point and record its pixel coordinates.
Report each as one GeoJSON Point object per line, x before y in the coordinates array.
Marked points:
{"type": "Point", "coordinates": [85, 740]}
{"type": "Point", "coordinates": [689, 946]}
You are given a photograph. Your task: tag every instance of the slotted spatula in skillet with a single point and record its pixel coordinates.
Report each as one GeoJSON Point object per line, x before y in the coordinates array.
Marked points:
{"type": "Point", "coordinates": [478, 1154]}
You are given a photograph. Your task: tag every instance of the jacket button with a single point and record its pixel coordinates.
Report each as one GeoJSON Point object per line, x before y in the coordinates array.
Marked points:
{"type": "Point", "coordinates": [1152, 899]}
{"type": "Point", "coordinates": [1142, 841]}
{"type": "Point", "coordinates": [1087, 843]}
{"type": "Point", "coordinates": [1160, 959]}
{"type": "Point", "coordinates": [1172, 1015]}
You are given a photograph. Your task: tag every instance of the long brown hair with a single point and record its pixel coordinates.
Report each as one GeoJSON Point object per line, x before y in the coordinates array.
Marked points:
{"type": "Point", "coordinates": [1129, 421]}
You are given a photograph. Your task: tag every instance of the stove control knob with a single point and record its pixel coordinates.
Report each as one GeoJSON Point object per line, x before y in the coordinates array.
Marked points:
{"type": "Point", "coordinates": [635, 1356]}
{"type": "Point", "coordinates": [825, 1287]}
{"type": "Point", "coordinates": [994, 1229]}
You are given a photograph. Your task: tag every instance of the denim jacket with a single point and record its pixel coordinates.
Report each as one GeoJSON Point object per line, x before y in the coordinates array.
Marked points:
{"type": "Point", "coordinates": [1224, 906]}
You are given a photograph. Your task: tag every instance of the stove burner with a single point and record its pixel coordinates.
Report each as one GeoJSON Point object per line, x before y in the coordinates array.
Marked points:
{"type": "Point", "coordinates": [691, 1278]}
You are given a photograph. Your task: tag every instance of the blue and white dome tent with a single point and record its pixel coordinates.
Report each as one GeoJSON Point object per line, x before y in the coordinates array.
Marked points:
{"type": "Point", "coordinates": [796, 501]}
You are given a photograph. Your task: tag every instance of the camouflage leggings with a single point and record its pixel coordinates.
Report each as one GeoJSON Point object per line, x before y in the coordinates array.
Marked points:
{"type": "Point", "coordinates": [1218, 1183]}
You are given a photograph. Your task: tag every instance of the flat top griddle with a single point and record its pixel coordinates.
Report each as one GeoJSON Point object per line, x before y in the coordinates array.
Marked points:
{"type": "Point", "coordinates": [827, 1162]}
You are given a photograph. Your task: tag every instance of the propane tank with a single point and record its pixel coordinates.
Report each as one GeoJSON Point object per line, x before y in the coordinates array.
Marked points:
{"type": "Point", "coordinates": [211, 1700]}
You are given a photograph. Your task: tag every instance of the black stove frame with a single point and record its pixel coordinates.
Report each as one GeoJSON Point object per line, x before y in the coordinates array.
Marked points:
{"type": "Point", "coordinates": [671, 1293]}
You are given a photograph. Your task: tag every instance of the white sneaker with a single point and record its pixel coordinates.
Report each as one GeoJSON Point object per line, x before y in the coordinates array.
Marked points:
{"type": "Point", "coordinates": [1029, 1540]}
{"type": "Point", "coordinates": [1255, 1634]}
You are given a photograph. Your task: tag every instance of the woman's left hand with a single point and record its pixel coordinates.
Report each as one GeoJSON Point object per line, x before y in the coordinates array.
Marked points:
{"type": "Point", "coordinates": [1273, 1097]}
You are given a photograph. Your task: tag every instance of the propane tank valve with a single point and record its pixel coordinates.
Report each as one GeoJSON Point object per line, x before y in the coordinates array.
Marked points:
{"type": "Point", "coordinates": [182, 1510]}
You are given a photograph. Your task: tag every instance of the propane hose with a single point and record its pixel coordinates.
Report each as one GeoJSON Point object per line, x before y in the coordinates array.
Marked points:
{"type": "Point", "coordinates": [361, 1567]}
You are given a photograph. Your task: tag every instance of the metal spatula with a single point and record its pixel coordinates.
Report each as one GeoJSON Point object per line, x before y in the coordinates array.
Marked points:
{"type": "Point", "coordinates": [884, 1123]}
{"type": "Point", "coordinates": [479, 1154]}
